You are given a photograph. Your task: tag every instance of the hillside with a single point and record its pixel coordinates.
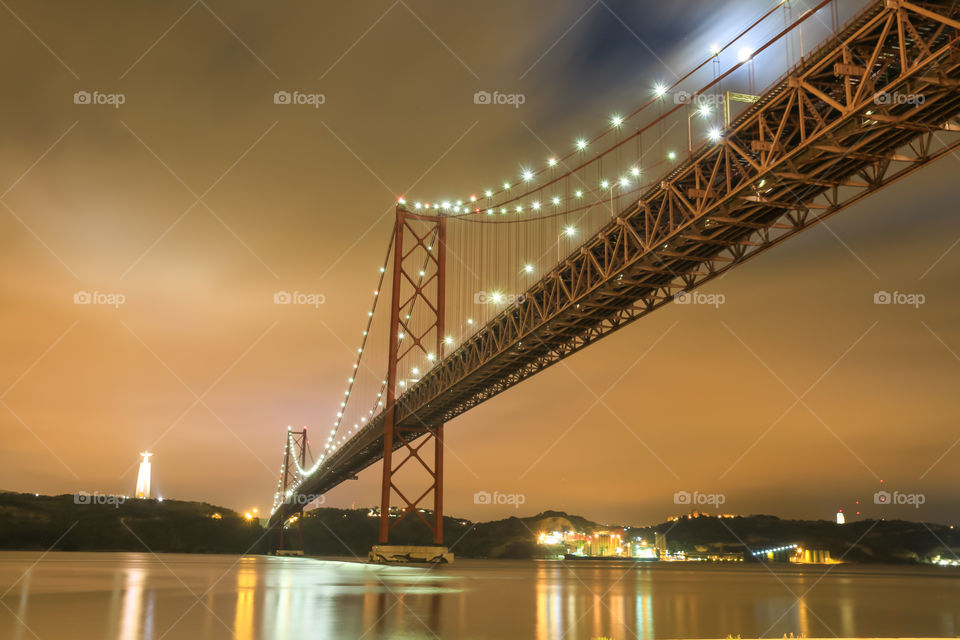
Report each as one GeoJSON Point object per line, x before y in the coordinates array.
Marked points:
{"type": "Point", "coordinates": [64, 523]}
{"type": "Point", "coordinates": [172, 526]}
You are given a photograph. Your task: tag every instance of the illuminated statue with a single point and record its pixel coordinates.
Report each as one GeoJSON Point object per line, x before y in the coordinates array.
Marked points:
{"type": "Point", "coordinates": [143, 477]}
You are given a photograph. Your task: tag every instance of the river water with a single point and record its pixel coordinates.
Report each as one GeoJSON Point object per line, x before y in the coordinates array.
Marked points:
{"type": "Point", "coordinates": [83, 596]}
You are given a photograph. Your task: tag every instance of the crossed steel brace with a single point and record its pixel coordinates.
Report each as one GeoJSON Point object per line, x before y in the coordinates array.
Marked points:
{"type": "Point", "coordinates": [414, 282]}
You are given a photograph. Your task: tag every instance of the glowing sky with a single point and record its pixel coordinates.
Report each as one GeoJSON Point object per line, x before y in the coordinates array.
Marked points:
{"type": "Point", "coordinates": [199, 197]}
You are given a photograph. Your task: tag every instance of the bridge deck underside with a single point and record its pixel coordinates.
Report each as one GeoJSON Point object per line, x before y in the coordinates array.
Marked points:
{"type": "Point", "coordinates": [815, 143]}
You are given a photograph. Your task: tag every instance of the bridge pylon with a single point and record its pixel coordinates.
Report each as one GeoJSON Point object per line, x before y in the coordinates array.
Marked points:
{"type": "Point", "coordinates": [418, 287]}
{"type": "Point", "coordinates": [295, 451]}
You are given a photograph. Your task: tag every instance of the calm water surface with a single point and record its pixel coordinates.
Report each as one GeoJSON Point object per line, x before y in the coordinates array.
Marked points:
{"type": "Point", "coordinates": [82, 596]}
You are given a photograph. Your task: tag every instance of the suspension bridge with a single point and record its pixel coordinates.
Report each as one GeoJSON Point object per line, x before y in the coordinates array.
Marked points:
{"type": "Point", "coordinates": [481, 292]}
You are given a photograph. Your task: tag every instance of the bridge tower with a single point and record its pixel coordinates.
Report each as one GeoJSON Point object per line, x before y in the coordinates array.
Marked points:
{"type": "Point", "coordinates": [294, 452]}
{"type": "Point", "coordinates": [418, 286]}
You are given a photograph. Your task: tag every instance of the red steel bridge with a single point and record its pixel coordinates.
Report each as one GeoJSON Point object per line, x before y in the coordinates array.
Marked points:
{"type": "Point", "coordinates": [490, 289]}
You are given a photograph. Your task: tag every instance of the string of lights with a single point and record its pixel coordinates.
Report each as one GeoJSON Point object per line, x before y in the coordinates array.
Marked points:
{"type": "Point", "coordinates": [489, 203]}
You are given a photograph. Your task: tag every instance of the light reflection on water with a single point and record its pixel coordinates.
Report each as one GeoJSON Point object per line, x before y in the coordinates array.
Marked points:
{"type": "Point", "coordinates": [127, 596]}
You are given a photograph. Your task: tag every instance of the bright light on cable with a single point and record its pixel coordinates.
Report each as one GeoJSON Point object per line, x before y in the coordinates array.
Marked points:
{"type": "Point", "coordinates": [714, 134]}
{"type": "Point", "coordinates": [616, 120]}
{"type": "Point", "coordinates": [581, 144]}
{"type": "Point", "coordinates": [745, 53]}
{"type": "Point", "coordinates": [659, 90]}
{"type": "Point", "coordinates": [527, 175]}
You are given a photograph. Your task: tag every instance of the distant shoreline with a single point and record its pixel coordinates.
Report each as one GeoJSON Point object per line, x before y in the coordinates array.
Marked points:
{"type": "Point", "coordinates": [65, 523]}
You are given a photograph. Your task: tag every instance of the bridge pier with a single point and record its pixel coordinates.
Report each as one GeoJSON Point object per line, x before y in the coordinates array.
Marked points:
{"type": "Point", "coordinates": [404, 553]}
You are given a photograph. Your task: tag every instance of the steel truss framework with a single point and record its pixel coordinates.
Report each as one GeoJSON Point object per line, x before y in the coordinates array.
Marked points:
{"type": "Point", "coordinates": [828, 134]}
{"type": "Point", "coordinates": [419, 281]}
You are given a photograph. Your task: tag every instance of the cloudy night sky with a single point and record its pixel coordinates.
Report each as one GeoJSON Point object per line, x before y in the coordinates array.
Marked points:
{"type": "Point", "coordinates": [199, 197]}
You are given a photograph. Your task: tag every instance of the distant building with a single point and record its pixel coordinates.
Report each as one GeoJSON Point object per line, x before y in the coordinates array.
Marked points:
{"type": "Point", "coordinates": [660, 542]}
{"type": "Point", "coordinates": [812, 556]}
{"type": "Point", "coordinates": [143, 477]}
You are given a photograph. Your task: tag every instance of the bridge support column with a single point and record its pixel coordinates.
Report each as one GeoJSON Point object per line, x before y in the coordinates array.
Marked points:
{"type": "Point", "coordinates": [419, 282]}
{"type": "Point", "coordinates": [295, 452]}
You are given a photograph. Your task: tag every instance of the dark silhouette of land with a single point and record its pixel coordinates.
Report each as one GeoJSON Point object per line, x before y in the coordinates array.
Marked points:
{"type": "Point", "coordinates": [68, 523]}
